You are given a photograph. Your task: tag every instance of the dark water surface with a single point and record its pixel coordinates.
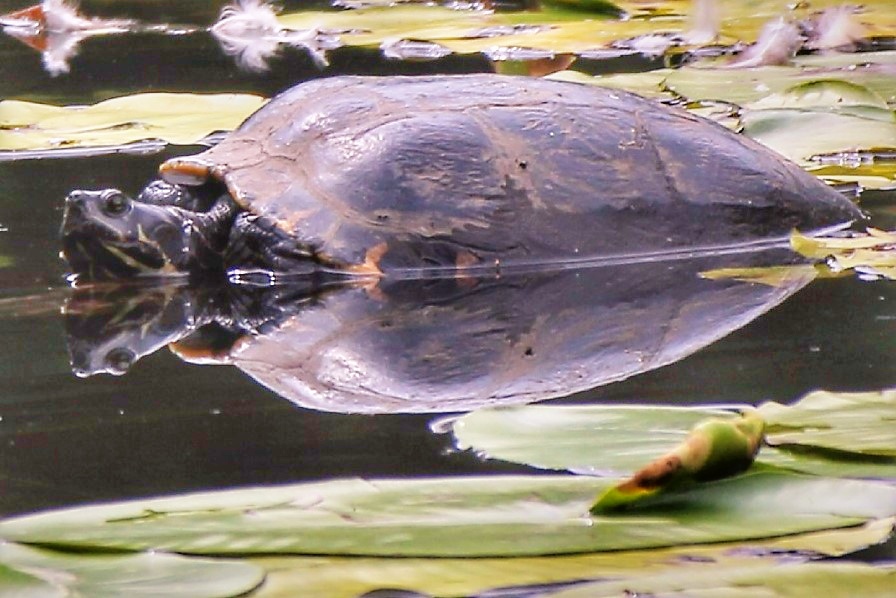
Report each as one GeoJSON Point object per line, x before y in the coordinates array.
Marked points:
{"type": "Point", "coordinates": [168, 426]}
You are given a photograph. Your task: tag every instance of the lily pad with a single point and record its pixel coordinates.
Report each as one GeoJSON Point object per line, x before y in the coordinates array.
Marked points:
{"type": "Point", "coordinates": [175, 118]}
{"type": "Point", "coordinates": [835, 94]}
{"type": "Point", "coordinates": [350, 577]}
{"type": "Point", "coordinates": [590, 439]}
{"type": "Point", "coordinates": [560, 26]}
{"type": "Point", "coordinates": [871, 70]}
{"type": "Point", "coordinates": [745, 581]}
{"type": "Point", "coordinates": [617, 440]}
{"type": "Point", "coordinates": [775, 276]}
{"type": "Point", "coordinates": [458, 517]}
{"type": "Point", "coordinates": [28, 571]}
{"type": "Point", "coordinates": [649, 84]}
{"type": "Point", "coordinates": [469, 31]}
{"type": "Point", "coordinates": [849, 422]}
{"type": "Point", "coordinates": [872, 254]}
{"type": "Point", "coordinates": [802, 134]}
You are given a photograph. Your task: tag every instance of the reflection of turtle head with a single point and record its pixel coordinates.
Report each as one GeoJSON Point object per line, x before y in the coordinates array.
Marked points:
{"type": "Point", "coordinates": [108, 328]}
{"type": "Point", "coordinates": [107, 235]}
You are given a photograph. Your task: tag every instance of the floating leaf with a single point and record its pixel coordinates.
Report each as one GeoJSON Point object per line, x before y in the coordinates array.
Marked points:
{"type": "Point", "coordinates": [829, 579]}
{"type": "Point", "coordinates": [461, 517]}
{"type": "Point", "coordinates": [873, 253]}
{"type": "Point", "coordinates": [872, 71]}
{"type": "Point", "coordinates": [560, 26]}
{"type": "Point", "coordinates": [823, 93]}
{"type": "Point", "coordinates": [868, 171]}
{"type": "Point", "coordinates": [802, 134]}
{"type": "Point", "coordinates": [593, 439]}
{"type": "Point", "coordinates": [616, 440]}
{"type": "Point", "coordinates": [716, 448]}
{"type": "Point", "coordinates": [175, 118]}
{"type": "Point", "coordinates": [774, 276]}
{"type": "Point", "coordinates": [350, 577]}
{"type": "Point", "coordinates": [849, 422]}
{"type": "Point", "coordinates": [649, 84]}
{"type": "Point", "coordinates": [30, 572]}
{"type": "Point", "coordinates": [469, 31]}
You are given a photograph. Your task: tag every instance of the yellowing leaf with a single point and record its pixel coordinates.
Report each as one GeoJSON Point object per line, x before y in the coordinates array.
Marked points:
{"type": "Point", "coordinates": [715, 449]}
{"type": "Point", "coordinates": [175, 118]}
{"type": "Point", "coordinates": [871, 253]}
{"type": "Point", "coordinates": [773, 276]}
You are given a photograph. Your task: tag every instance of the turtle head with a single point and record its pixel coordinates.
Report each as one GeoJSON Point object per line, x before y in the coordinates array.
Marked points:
{"type": "Point", "coordinates": [107, 235]}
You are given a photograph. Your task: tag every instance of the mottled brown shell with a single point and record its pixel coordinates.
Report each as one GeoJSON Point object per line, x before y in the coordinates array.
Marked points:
{"type": "Point", "coordinates": [411, 172]}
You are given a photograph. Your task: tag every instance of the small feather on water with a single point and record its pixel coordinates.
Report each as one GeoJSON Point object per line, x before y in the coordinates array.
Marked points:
{"type": "Point", "coordinates": [778, 43]}
{"type": "Point", "coordinates": [705, 20]}
{"type": "Point", "coordinates": [249, 31]}
{"type": "Point", "coordinates": [835, 27]}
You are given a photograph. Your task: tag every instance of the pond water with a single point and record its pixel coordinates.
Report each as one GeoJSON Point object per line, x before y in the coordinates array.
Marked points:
{"type": "Point", "coordinates": [169, 426]}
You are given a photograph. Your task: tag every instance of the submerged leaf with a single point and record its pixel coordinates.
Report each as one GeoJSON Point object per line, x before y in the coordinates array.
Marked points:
{"type": "Point", "coordinates": [175, 118]}
{"type": "Point", "coordinates": [461, 517]}
{"type": "Point", "coordinates": [714, 449]}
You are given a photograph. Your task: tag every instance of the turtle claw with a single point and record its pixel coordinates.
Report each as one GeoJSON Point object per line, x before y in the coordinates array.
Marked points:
{"type": "Point", "coordinates": [185, 171]}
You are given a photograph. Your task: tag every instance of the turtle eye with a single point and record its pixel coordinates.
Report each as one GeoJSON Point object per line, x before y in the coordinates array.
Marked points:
{"type": "Point", "coordinates": [115, 204]}
{"type": "Point", "coordinates": [119, 360]}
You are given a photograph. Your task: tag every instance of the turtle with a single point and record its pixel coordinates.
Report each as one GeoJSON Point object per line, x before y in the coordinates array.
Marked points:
{"type": "Point", "coordinates": [410, 175]}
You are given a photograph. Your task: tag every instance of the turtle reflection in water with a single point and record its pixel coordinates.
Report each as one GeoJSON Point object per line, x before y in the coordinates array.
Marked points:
{"type": "Point", "coordinates": [403, 174]}
{"type": "Point", "coordinates": [442, 345]}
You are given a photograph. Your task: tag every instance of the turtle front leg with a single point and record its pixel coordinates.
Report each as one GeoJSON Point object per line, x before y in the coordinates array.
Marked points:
{"type": "Point", "coordinates": [257, 242]}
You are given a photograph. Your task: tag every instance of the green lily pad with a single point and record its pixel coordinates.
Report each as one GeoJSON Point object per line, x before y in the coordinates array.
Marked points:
{"type": "Point", "coordinates": [872, 71]}
{"type": "Point", "coordinates": [458, 517]}
{"type": "Point", "coordinates": [849, 422]}
{"type": "Point", "coordinates": [591, 439]}
{"type": "Point", "coordinates": [802, 134]}
{"type": "Point", "coordinates": [746, 581]}
{"type": "Point", "coordinates": [350, 577]}
{"type": "Point", "coordinates": [27, 571]}
{"type": "Point", "coordinates": [563, 26]}
{"type": "Point", "coordinates": [835, 94]}
{"type": "Point", "coordinates": [649, 84]}
{"type": "Point", "coordinates": [175, 118]}
{"type": "Point", "coordinates": [470, 31]}
{"type": "Point", "coordinates": [617, 440]}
